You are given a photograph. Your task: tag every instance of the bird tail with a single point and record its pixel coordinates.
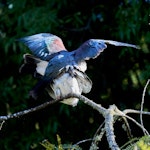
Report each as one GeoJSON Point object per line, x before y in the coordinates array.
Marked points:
{"type": "Point", "coordinates": [36, 67]}
{"type": "Point", "coordinates": [29, 65]}
{"type": "Point", "coordinates": [33, 65]}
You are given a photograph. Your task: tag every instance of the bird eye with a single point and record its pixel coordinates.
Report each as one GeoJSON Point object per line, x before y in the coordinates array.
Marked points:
{"type": "Point", "coordinates": [100, 43]}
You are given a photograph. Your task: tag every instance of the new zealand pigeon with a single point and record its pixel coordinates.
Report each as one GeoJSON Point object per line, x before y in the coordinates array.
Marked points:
{"type": "Point", "coordinates": [59, 71]}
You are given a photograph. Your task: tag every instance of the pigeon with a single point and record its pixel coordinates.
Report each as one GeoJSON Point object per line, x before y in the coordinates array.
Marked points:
{"type": "Point", "coordinates": [61, 72]}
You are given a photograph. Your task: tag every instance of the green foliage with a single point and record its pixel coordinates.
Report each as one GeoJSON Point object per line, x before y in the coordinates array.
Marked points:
{"type": "Point", "coordinates": [142, 143]}
{"type": "Point", "coordinates": [118, 75]}
{"type": "Point", "coordinates": [46, 144]}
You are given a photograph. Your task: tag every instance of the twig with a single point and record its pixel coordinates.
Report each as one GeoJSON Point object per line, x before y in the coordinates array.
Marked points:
{"type": "Point", "coordinates": [31, 110]}
{"type": "Point", "coordinates": [129, 111]}
{"type": "Point", "coordinates": [1, 124]}
{"type": "Point", "coordinates": [96, 137]}
{"type": "Point", "coordinates": [138, 124]}
{"type": "Point", "coordinates": [121, 113]}
{"type": "Point", "coordinates": [142, 103]}
{"type": "Point", "coordinates": [100, 127]}
{"type": "Point", "coordinates": [128, 129]}
{"type": "Point", "coordinates": [83, 141]}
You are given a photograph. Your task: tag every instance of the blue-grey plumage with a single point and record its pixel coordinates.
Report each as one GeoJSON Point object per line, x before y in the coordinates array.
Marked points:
{"type": "Point", "coordinates": [90, 49]}
{"type": "Point", "coordinates": [62, 72]}
{"type": "Point", "coordinates": [43, 45]}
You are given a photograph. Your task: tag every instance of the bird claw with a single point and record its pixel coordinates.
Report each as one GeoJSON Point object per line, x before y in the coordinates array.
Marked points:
{"type": "Point", "coordinates": [69, 67]}
{"type": "Point", "coordinates": [77, 67]}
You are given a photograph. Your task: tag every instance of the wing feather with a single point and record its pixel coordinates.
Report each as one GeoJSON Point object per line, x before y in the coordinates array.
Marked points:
{"type": "Point", "coordinates": [43, 45]}
{"type": "Point", "coordinates": [116, 43]}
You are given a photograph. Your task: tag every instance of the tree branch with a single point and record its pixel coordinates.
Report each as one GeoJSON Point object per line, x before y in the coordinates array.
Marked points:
{"type": "Point", "coordinates": [28, 111]}
{"type": "Point", "coordinates": [110, 116]}
{"type": "Point", "coordinates": [109, 121]}
{"type": "Point", "coordinates": [98, 107]}
{"type": "Point", "coordinates": [142, 103]}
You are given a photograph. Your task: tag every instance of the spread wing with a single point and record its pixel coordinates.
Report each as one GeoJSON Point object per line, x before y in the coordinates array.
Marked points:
{"type": "Point", "coordinates": [93, 48]}
{"type": "Point", "coordinates": [43, 45]}
{"type": "Point", "coordinates": [116, 43]}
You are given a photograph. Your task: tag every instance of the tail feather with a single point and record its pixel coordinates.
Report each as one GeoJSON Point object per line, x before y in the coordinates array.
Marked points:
{"type": "Point", "coordinates": [36, 67]}
{"type": "Point", "coordinates": [30, 65]}
{"type": "Point", "coordinates": [28, 58]}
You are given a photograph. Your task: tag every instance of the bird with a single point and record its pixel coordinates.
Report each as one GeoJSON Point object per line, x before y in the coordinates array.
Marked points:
{"type": "Point", "coordinates": [61, 72]}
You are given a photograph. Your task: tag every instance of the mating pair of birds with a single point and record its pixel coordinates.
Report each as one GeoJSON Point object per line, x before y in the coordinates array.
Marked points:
{"type": "Point", "coordinates": [59, 71]}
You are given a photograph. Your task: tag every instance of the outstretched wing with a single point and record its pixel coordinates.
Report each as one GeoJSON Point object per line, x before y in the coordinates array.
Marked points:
{"type": "Point", "coordinates": [43, 45]}
{"type": "Point", "coordinates": [116, 43]}
{"type": "Point", "coordinates": [93, 47]}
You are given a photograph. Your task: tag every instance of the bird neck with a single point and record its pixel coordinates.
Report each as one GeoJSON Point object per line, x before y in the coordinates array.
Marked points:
{"type": "Point", "coordinates": [81, 54]}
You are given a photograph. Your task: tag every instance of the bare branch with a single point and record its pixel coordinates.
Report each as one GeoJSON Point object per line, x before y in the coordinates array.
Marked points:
{"type": "Point", "coordinates": [89, 102]}
{"type": "Point", "coordinates": [132, 111]}
{"type": "Point", "coordinates": [97, 137]}
{"type": "Point", "coordinates": [142, 103]}
{"type": "Point", "coordinates": [31, 110]}
{"type": "Point", "coordinates": [109, 121]}
{"type": "Point", "coordinates": [1, 124]}
{"type": "Point", "coordinates": [110, 115]}
{"type": "Point", "coordinates": [95, 106]}
{"type": "Point", "coordinates": [138, 124]}
{"type": "Point", "coordinates": [128, 129]}
{"type": "Point", "coordinates": [83, 141]}
{"type": "Point", "coordinates": [121, 113]}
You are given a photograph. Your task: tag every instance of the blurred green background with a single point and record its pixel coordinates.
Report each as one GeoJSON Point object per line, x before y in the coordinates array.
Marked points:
{"type": "Point", "coordinates": [118, 74]}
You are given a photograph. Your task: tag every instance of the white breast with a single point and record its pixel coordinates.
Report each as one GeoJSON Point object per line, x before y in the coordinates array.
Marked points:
{"type": "Point", "coordinates": [82, 65]}
{"type": "Point", "coordinates": [65, 85]}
